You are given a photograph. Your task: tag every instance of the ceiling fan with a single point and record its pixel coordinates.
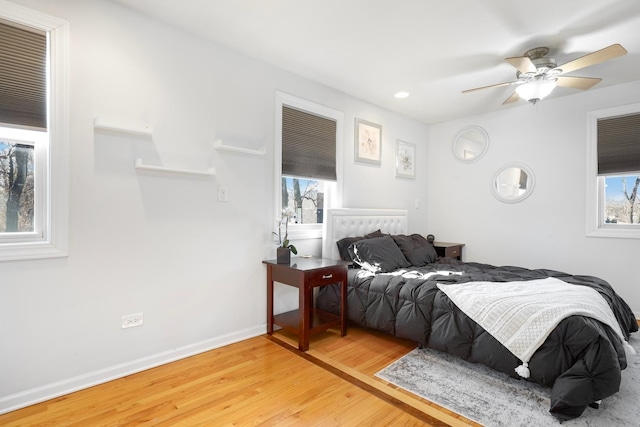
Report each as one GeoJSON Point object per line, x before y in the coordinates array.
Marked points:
{"type": "Point", "coordinates": [538, 74]}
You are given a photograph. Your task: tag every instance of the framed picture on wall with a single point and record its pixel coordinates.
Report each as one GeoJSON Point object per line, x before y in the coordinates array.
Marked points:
{"type": "Point", "coordinates": [405, 160]}
{"type": "Point", "coordinates": [368, 140]}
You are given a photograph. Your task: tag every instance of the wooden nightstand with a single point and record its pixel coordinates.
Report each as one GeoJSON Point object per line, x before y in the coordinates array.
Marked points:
{"type": "Point", "coordinates": [449, 250]}
{"type": "Point", "coordinates": [306, 274]}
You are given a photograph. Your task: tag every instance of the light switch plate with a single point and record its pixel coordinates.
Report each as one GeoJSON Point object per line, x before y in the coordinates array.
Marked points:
{"type": "Point", "coordinates": [223, 193]}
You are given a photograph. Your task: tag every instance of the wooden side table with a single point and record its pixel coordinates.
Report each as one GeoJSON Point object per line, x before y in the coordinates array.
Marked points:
{"type": "Point", "coordinates": [449, 250]}
{"type": "Point", "coordinates": [306, 274]}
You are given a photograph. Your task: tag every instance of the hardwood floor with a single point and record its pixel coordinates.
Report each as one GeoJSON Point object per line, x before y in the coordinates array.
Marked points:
{"type": "Point", "coordinates": [359, 355]}
{"type": "Point", "coordinates": [260, 381]}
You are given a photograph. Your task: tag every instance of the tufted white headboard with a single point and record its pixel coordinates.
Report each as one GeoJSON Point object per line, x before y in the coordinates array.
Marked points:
{"type": "Point", "coordinates": [344, 222]}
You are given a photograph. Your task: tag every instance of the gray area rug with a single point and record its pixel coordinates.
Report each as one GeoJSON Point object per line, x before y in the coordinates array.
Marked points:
{"type": "Point", "coordinates": [495, 399]}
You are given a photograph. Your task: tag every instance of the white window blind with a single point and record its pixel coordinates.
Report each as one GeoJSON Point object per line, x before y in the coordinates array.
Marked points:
{"type": "Point", "coordinates": [308, 145]}
{"type": "Point", "coordinates": [619, 144]}
{"type": "Point", "coordinates": [23, 78]}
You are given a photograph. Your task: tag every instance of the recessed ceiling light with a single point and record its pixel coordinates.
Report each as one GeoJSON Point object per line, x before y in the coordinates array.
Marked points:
{"type": "Point", "coordinates": [401, 94]}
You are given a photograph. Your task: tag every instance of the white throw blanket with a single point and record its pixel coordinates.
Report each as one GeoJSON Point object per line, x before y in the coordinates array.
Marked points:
{"type": "Point", "coordinates": [521, 315]}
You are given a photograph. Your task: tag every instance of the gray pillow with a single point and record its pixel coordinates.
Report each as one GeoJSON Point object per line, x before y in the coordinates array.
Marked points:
{"type": "Point", "coordinates": [416, 249]}
{"type": "Point", "coordinates": [343, 246]}
{"type": "Point", "coordinates": [376, 233]}
{"type": "Point", "coordinates": [379, 255]}
{"type": "Point", "coordinates": [345, 242]}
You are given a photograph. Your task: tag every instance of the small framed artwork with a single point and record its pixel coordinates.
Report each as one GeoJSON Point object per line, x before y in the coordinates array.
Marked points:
{"type": "Point", "coordinates": [405, 160]}
{"type": "Point", "coordinates": [368, 141]}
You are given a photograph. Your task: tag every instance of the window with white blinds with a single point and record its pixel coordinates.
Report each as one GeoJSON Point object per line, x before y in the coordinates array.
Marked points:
{"type": "Point", "coordinates": [613, 172]}
{"type": "Point", "coordinates": [308, 161]}
{"type": "Point", "coordinates": [34, 182]}
{"type": "Point", "coordinates": [23, 76]}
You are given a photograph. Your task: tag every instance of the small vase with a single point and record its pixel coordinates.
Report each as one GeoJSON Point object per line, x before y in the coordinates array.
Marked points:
{"type": "Point", "coordinates": [283, 255]}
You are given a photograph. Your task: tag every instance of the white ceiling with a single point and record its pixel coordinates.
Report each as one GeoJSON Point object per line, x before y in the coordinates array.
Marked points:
{"type": "Point", "coordinates": [371, 49]}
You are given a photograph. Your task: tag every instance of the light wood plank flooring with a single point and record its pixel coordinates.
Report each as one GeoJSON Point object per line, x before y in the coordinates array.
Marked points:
{"type": "Point", "coordinates": [260, 381]}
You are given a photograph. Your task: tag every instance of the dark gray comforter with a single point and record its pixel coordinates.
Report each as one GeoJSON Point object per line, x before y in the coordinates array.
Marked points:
{"type": "Point", "coordinates": [581, 360]}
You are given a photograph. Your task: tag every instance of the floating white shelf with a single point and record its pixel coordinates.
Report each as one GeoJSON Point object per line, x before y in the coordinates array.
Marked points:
{"type": "Point", "coordinates": [141, 166]}
{"type": "Point", "coordinates": [218, 145]}
{"type": "Point", "coordinates": [102, 124]}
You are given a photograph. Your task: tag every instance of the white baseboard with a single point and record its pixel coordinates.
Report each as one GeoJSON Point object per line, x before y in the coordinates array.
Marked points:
{"type": "Point", "coordinates": [49, 391]}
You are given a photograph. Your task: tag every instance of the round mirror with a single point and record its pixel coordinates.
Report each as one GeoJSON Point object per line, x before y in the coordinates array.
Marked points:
{"type": "Point", "coordinates": [470, 144]}
{"type": "Point", "coordinates": [512, 183]}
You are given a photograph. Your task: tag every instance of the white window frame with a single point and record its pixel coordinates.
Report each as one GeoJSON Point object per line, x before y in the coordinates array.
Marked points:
{"type": "Point", "coordinates": [333, 191]}
{"type": "Point", "coordinates": [595, 221]}
{"type": "Point", "coordinates": [51, 239]}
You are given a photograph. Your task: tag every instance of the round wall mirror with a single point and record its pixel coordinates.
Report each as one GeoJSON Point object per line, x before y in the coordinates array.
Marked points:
{"type": "Point", "coordinates": [513, 183]}
{"type": "Point", "coordinates": [470, 144]}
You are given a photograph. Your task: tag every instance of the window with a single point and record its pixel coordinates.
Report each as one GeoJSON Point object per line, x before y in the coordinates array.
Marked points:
{"type": "Point", "coordinates": [308, 163]}
{"type": "Point", "coordinates": [33, 135]}
{"type": "Point", "coordinates": [622, 199]}
{"type": "Point", "coordinates": [16, 186]}
{"type": "Point", "coordinates": [613, 193]}
{"type": "Point", "coordinates": [20, 213]}
{"type": "Point", "coordinates": [303, 200]}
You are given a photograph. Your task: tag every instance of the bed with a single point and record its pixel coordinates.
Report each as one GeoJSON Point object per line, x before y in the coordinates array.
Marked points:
{"type": "Point", "coordinates": [411, 295]}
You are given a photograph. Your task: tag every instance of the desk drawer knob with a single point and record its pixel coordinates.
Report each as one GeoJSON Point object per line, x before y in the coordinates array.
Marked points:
{"type": "Point", "coordinates": [327, 276]}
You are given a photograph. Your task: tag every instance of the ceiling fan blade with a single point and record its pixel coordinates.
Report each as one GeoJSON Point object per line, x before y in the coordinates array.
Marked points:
{"type": "Point", "coordinates": [522, 64]}
{"type": "Point", "coordinates": [578, 82]}
{"type": "Point", "coordinates": [488, 87]}
{"type": "Point", "coordinates": [512, 98]}
{"type": "Point", "coordinates": [613, 51]}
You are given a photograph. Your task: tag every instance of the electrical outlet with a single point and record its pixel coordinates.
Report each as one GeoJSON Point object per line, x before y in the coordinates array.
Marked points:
{"type": "Point", "coordinates": [131, 320]}
{"type": "Point", "coordinates": [222, 193]}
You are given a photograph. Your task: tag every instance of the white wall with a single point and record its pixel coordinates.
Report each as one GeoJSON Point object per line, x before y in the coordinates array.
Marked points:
{"type": "Point", "coordinates": [164, 245]}
{"type": "Point", "coordinates": [547, 230]}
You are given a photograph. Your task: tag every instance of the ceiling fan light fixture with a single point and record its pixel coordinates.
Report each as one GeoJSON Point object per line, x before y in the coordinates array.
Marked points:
{"type": "Point", "coordinates": [537, 75]}
{"type": "Point", "coordinates": [535, 90]}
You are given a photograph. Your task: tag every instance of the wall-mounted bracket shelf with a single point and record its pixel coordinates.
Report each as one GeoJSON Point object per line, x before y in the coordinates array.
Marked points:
{"type": "Point", "coordinates": [102, 124]}
{"type": "Point", "coordinates": [218, 145]}
{"type": "Point", "coordinates": [141, 166]}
